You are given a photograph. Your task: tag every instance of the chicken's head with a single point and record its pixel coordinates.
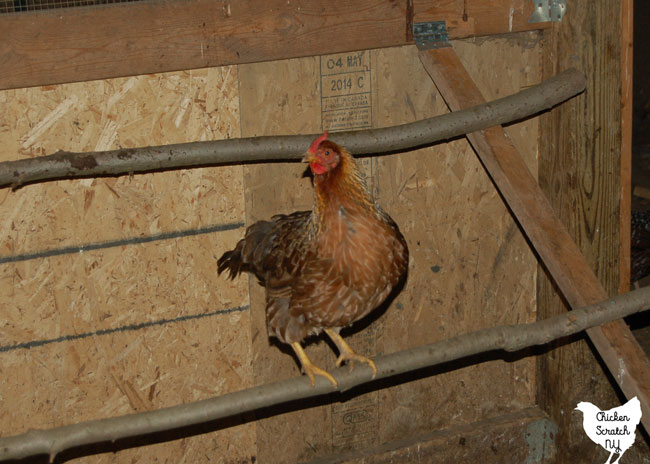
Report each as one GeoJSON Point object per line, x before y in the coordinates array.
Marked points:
{"type": "Point", "coordinates": [322, 155]}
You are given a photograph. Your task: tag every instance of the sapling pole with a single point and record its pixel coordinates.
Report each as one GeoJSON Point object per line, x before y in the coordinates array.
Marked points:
{"type": "Point", "coordinates": [67, 165]}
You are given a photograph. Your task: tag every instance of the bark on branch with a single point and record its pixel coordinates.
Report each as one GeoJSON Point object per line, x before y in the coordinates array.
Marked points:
{"type": "Point", "coordinates": [503, 338]}
{"type": "Point", "coordinates": [60, 165]}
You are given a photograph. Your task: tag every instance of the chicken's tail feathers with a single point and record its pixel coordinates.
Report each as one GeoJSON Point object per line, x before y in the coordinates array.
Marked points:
{"type": "Point", "coordinates": [232, 261]}
{"type": "Point", "coordinates": [249, 253]}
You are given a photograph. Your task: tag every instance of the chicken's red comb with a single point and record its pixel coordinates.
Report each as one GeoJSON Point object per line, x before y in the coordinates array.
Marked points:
{"type": "Point", "coordinates": [314, 145]}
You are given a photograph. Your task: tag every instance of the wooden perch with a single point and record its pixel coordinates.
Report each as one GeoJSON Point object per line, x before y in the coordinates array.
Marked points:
{"type": "Point", "coordinates": [576, 280]}
{"type": "Point", "coordinates": [523, 104]}
{"type": "Point", "coordinates": [504, 338]}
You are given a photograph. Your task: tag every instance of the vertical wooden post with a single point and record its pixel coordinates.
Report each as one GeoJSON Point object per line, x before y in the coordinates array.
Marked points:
{"type": "Point", "coordinates": [627, 48]}
{"type": "Point", "coordinates": [581, 172]}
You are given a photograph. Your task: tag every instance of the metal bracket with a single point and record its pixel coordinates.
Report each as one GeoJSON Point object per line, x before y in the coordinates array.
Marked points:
{"type": "Point", "coordinates": [547, 10]}
{"type": "Point", "coordinates": [431, 35]}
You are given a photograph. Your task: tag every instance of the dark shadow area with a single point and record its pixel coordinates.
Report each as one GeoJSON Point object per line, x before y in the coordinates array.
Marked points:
{"type": "Point", "coordinates": [640, 220]}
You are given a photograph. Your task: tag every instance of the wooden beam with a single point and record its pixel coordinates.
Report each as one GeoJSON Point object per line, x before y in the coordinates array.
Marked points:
{"type": "Point", "coordinates": [619, 350]}
{"type": "Point", "coordinates": [80, 44]}
{"type": "Point", "coordinates": [478, 18]}
{"type": "Point", "coordinates": [580, 171]}
{"type": "Point", "coordinates": [627, 103]}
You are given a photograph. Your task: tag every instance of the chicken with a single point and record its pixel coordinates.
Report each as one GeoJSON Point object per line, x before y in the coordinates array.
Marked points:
{"type": "Point", "coordinates": [327, 268]}
{"type": "Point", "coordinates": [614, 430]}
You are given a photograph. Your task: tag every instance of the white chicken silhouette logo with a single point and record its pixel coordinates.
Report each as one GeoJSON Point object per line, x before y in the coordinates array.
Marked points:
{"type": "Point", "coordinates": [613, 429]}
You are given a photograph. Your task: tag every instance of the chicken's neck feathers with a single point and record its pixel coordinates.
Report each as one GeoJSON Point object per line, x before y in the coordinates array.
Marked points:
{"type": "Point", "coordinates": [344, 186]}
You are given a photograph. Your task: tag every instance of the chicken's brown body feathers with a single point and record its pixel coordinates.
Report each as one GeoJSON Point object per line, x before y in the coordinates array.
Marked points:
{"type": "Point", "coordinates": [324, 268]}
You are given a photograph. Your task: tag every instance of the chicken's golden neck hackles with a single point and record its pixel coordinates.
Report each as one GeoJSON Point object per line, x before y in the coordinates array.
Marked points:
{"type": "Point", "coordinates": [327, 268]}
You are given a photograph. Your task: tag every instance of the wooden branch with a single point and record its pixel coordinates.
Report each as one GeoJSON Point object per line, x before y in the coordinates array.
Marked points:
{"type": "Point", "coordinates": [80, 44]}
{"type": "Point", "coordinates": [525, 103]}
{"type": "Point", "coordinates": [578, 283]}
{"type": "Point", "coordinates": [504, 338]}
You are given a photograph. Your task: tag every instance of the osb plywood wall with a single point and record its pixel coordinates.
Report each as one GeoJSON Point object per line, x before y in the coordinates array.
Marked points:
{"type": "Point", "coordinates": [110, 302]}
{"type": "Point", "coordinates": [109, 298]}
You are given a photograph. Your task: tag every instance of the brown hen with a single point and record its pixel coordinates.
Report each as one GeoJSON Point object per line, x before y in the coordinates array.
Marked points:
{"type": "Point", "coordinates": [327, 268]}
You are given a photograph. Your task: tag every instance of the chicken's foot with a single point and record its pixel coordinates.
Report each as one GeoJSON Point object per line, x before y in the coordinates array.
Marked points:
{"type": "Point", "coordinates": [309, 368]}
{"type": "Point", "coordinates": [347, 354]}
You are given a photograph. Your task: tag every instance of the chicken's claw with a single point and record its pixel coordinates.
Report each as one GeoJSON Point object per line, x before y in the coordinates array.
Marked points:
{"type": "Point", "coordinates": [309, 368]}
{"type": "Point", "coordinates": [351, 357]}
{"type": "Point", "coordinates": [347, 354]}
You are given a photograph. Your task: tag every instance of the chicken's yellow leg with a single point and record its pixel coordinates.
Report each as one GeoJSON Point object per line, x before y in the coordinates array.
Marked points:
{"type": "Point", "coordinates": [309, 368]}
{"type": "Point", "coordinates": [347, 354]}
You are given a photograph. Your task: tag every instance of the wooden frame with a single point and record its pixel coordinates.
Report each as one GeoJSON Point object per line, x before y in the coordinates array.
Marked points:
{"type": "Point", "coordinates": [80, 44]}
{"type": "Point", "coordinates": [50, 47]}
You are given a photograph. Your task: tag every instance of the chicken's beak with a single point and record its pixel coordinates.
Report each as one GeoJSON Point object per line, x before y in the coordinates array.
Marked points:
{"type": "Point", "coordinates": [309, 157]}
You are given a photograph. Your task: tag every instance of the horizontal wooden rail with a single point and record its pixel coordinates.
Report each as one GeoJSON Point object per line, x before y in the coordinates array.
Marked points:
{"type": "Point", "coordinates": [80, 44]}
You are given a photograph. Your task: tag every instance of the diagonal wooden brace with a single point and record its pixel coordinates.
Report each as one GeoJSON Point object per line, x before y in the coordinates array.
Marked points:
{"type": "Point", "coordinates": [574, 277]}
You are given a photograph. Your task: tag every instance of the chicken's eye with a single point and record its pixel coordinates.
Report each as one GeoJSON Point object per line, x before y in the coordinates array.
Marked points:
{"type": "Point", "coordinates": [327, 152]}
